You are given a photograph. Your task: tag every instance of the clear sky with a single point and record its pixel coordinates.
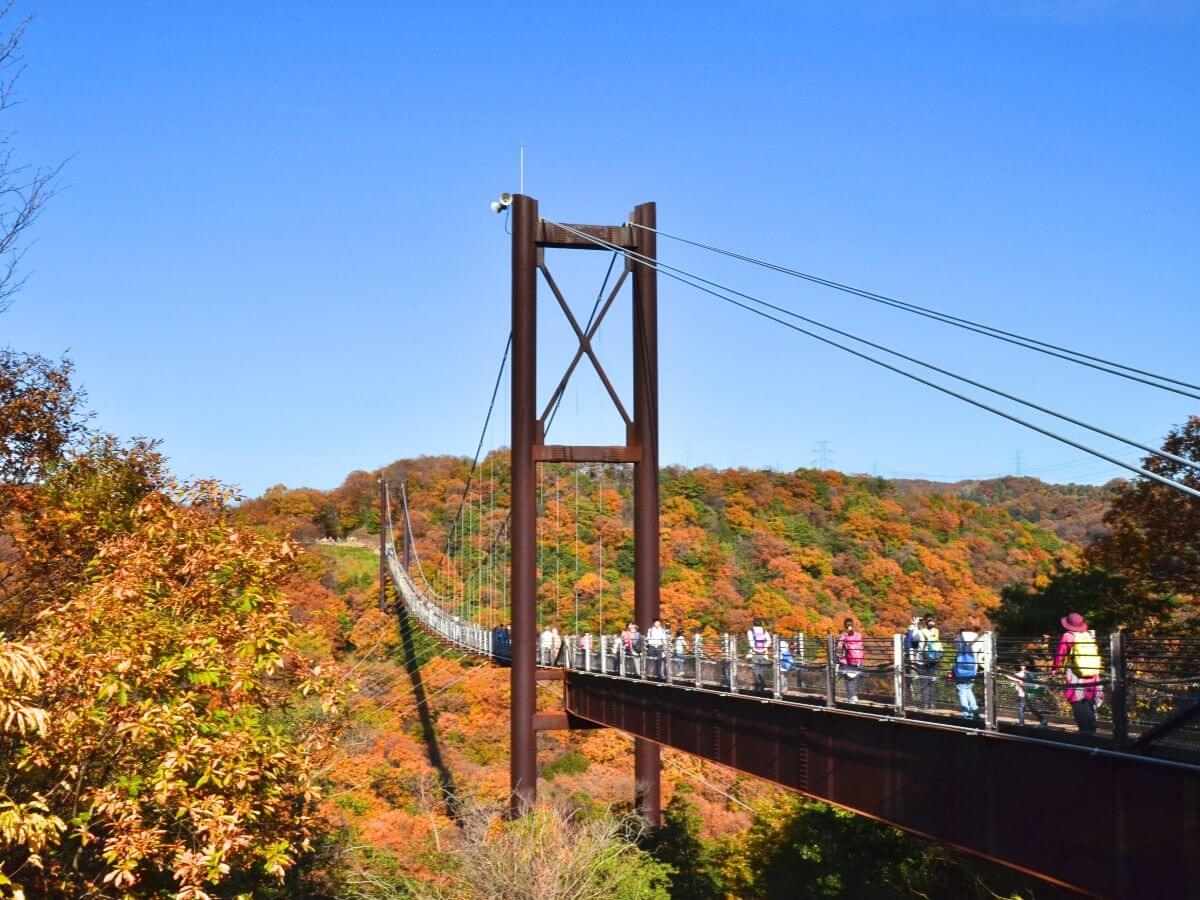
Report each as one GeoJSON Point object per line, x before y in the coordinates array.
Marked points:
{"type": "Point", "coordinates": [273, 249]}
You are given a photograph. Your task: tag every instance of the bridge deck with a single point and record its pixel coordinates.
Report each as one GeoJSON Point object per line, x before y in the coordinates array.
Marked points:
{"type": "Point", "coordinates": [1094, 820]}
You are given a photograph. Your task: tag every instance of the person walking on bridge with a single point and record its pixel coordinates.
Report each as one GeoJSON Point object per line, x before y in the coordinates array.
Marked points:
{"type": "Point", "coordinates": [631, 644]}
{"type": "Point", "coordinates": [969, 655]}
{"type": "Point", "coordinates": [546, 646]}
{"type": "Point", "coordinates": [785, 664]}
{"type": "Point", "coordinates": [912, 647]}
{"type": "Point", "coordinates": [850, 658]}
{"type": "Point", "coordinates": [929, 657]}
{"type": "Point", "coordinates": [656, 645]}
{"type": "Point", "coordinates": [585, 648]}
{"type": "Point", "coordinates": [556, 647]}
{"type": "Point", "coordinates": [1078, 659]}
{"type": "Point", "coordinates": [759, 641]}
{"type": "Point", "coordinates": [678, 649]}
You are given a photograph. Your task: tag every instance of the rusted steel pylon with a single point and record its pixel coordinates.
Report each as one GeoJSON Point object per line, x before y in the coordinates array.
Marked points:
{"type": "Point", "coordinates": [531, 235]}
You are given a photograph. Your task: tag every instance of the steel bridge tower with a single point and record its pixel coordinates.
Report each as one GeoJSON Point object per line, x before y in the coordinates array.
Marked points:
{"type": "Point", "coordinates": [531, 235]}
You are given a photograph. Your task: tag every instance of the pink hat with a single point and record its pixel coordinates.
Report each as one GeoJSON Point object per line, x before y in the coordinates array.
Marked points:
{"type": "Point", "coordinates": [1074, 622]}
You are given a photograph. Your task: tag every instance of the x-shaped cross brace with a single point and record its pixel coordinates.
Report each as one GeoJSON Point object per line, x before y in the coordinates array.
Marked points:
{"type": "Point", "coordinates": [585, 344]}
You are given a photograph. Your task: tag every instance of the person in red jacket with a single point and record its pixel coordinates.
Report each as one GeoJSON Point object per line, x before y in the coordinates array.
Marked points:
{"type": "Point", "coordinates": [850, 658]}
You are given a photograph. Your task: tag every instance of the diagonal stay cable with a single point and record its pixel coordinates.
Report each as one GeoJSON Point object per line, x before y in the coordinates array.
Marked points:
{"type": "Point", "coordinates": [685, 277]}
{"type": "Point", "coordinates": [1163, 454]}
{"type": "Point", "coordinates": [1076, 356]}
{"type": "Point", "coordinates": [1154, 451]}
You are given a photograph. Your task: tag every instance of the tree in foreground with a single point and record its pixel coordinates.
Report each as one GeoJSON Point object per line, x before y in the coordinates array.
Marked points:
{"type": "Point", "coordinates": [1143, 574]}
{"type": "Point", "coordinates": [1154, 530]}
{"type": "Point", "coordinates": [156, 726]}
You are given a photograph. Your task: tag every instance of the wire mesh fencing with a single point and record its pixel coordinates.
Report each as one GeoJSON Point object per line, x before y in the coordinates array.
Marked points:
{"type": "Point", "coordinates": [1163, 683]}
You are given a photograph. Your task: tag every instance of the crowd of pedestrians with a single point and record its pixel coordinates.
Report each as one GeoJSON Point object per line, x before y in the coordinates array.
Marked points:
{"type": "Point", "coordinates": [1072, 665]}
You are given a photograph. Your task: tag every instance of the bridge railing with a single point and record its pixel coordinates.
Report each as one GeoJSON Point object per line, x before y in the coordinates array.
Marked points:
{"type": "Point", "coordinates": [1147, 687]}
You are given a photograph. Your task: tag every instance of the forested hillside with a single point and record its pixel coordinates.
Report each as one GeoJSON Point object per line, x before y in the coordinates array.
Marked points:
{"type": "Point", "coordinates": [1075, 512]}
{"type": "Point", "coordinates": [427, 735]}
{"type": "Point", "coordinates": [802, 549]}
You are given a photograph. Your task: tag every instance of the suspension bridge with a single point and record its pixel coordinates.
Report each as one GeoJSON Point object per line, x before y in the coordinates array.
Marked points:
{"type": "Point", "coordinates": [1107, 814]}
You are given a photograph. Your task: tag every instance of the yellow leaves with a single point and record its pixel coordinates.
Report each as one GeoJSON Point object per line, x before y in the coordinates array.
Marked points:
{"type": "Point", "coordinates": [29, 825]}
{"type": "Point", "coordinates": [677, 511]}
{"type": "Point", "coordinates": [21, 670]}
{"type": "Point", "coordinates": [20, 664]}
{"type": "Point", "coordinates": [166, 669]}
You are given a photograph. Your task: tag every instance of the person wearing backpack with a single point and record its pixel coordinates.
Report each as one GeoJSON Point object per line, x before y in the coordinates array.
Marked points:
{"type": "Point", "coordinates": [759, 640]}
{"type": "Point", "coordinates": [785, 664]}
{"type": "Point", "coordinates": [929, 657]}
{"type": "Point", "coordinates": [967, 652]}
{"type": "Point", "coordinates": [850, 658]}
{"type": "Point", "coordinates": [1078, 660]}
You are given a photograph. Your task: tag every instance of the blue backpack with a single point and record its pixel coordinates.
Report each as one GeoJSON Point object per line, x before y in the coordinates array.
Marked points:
{"type": "Point", "coordinates": [965, 664]}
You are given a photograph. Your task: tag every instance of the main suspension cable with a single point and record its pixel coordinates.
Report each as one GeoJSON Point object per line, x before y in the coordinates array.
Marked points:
{"type": "Point", "coordinates": [1076, 356]}
{"type": "Point", "coordinates": [685, 277]}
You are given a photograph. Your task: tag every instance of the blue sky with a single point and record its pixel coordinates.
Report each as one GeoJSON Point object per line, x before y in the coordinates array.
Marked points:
{"type": "Point", "coordinates": [273, 250]}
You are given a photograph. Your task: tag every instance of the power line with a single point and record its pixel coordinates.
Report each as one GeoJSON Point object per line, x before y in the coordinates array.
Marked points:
{"type": "Point", "coordinates": [685, 277]}
{"type": "Point", "coordinates": [1076, 356]}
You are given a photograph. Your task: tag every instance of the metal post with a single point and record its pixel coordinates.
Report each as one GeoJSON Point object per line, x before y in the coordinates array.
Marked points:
{"type": "Point", "coordinates": [647, 764]}
{"type": "Point", "coordinates": [990, 712]}
{"type": "Point", "coordinates": [697, 653]}
{"type": "Point", "coordinates": [1118, 673]}
{"type": "Point", "coordinates": [523, 771]}
{"type": "Point", "coordinates": [777, 670]}
{"type": "Point", "coordinates": [830, 670]}
{"type": "Point", "coordinates": [603, 654]}
{"type": "Point", "coordinates": [731, 661]}
{"type": "Point", "coordinates": [382, 547]}
{"type": "Point", "coordinates": [898, 674]}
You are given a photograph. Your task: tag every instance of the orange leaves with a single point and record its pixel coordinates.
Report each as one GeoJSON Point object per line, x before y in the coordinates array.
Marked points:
{"type": "Point", "coordinates": [162, 672]}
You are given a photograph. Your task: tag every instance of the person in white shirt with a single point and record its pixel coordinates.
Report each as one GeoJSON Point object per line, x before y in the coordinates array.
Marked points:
{"type": "Point", "coordinates": [759, 640]}
{"type": "Point", "coordinates": [546, 645]}
{"type": "Point", "coordinates": [556, 645]}
{"type": "Point", "coordinates": [656, 644]}
{"type": "Point", "coordinates": [677, 651]}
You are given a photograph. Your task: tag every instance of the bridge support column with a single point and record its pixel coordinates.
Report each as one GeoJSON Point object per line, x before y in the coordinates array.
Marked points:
{"type": "Point", "coordinates": [523, 748]}
{"type": "Point", "coordinates": [647, 762]}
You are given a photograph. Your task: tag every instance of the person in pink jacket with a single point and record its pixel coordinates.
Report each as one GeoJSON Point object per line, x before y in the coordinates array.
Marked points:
{"type": "Point", "coordinates": [1077, 659]}
{"type": "Point", "coordinates": [850, 658]}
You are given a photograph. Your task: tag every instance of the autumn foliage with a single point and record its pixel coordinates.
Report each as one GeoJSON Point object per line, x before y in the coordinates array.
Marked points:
{"type": "Point", "coordinates": [157, 721]}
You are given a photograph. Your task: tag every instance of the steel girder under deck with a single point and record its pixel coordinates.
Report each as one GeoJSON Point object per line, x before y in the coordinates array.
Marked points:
{"type": "Point", "coordinates": [1103, 823]}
